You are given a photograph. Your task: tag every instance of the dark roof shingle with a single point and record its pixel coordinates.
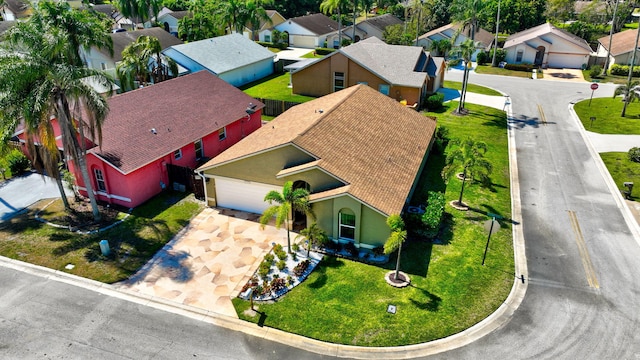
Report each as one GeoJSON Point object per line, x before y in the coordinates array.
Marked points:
{"type": "Point", "coordinates": [122, 39]}
{"type": "Point", "coordinates": [317, 23]}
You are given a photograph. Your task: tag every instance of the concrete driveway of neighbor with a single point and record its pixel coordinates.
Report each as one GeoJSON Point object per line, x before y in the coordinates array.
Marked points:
{"type": "Point", "coordinates": [19, 192]}
{"type": "Point", "coordinates": [207, 265]}
{"type": "Point", "coordinates": [563, 75]}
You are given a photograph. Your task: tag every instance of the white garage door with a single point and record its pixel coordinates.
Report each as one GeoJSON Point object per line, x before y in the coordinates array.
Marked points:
{"type": "Point", "coordinates": [242, 195]}
{"type": "Point", "coordinates": [568, 61]}
{"type": "Point", "coordinates": [303, 41]}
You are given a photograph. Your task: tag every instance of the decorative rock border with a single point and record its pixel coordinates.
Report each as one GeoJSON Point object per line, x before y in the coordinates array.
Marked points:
{"type": "Point", "coordinates": [403, 279]}
{"type": "Point", "coordinates": [459, 206]}
{"type": "Point", "coordinates": [38, 218]}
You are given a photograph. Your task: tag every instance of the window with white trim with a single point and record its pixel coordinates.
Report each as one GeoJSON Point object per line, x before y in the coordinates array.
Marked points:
{"type": "Point", "coordinates": [267, 37]}
{"type": "Point", "coordinates": [222, 133]}
{"type": "Point", "coordinates": [177, 154]}
{"type": "Point", "coordinates": [519, 55]}
{"type": "Point", "coordinates": [199, 150]}
{"type": "Point", "coordinates": [347, 224]}
{"type": "Point", "coordinates": [338, 81]}
{"type": "Point", "coordinates": [100, 184]}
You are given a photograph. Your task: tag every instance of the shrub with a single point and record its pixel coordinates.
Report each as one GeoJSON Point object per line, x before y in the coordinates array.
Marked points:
{"type": "Point", "coordinates": [264, 269]}
{"type": "Point", "coordinates": [623, 70]}
{"type": "Point", "coordinates": [289, 280]}
{"type": "Point", "coordinates": [265, 43]}
{"type": "Point", "coordinates": [595, 71]}
{"type": "Point", "coordinates": [434, 102]}
{"type": "Point", "coordinates": [482, 58]}
{"type": "Point", "coordinates": [278, 285]}
{"type": "Point", "coordinates": [295, 247]}
{"type": "Point", "coordinates": [634, 154]}
{"type": "Point", "coordinates": [324, 51]}
{"type": "Point", "coordinates": [17, 162]}
{"type": "Point", "coordinates": [332, 245]}
{"type": "Point", "coordinates": [277, 247]}
{"type": "Point", "coordinates": [501, 54]}
{"type": "Point", "coordinates": [301, 268]}
{"type": "Point", "coordinates": [378, 250]}
{"type": "Point", "coordinates": [282, 255]}
{"type": "Point", "coordinates": [441, 139]}
{"type": "Point", "coordinates": [351, 249]}
{"type": "Point", "coordinates": [453, 63]}
{"type": "Point", "coordinates": [268, 258]}
{"type": "Point", "coordinates": [433, 213]}
{"type": "Point", "coordinates": [282, 264]}
{"type": "Point", "coordinates": [520, 67]}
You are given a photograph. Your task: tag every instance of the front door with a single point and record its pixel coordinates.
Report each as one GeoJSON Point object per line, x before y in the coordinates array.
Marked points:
{"type": "Point", "coordinates": [539, 56]}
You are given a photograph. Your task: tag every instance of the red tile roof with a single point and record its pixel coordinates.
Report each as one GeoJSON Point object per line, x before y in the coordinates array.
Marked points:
{"type": "Point", "coordinates": [181, 111]}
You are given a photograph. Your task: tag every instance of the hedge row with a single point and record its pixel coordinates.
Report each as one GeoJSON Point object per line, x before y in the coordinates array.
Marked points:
{"type": "Point", "coordinates": [324, 51]}
{"type": "Point", "coordinates": [520, 67]}
{"type": "Point", "coordinates": [624, 70]}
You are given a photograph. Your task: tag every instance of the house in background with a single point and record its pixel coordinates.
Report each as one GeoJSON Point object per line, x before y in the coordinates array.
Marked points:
{"type": "Point", "coordinates": [153, 134]}
{"type": "Point", "coordinates": [309, 31]}
{"type": "Point", "coordinates": [11, 10]}
{"type": "Point", "coordinates": [101, 59]}
{"type": "Point", "coordinates": [170, 19]}
{"type": "Point", "coordinates": [401, 72]}
{"type": "Point", "coordinates": [450, 31]}
{"type": "Point", "coordinates": [375, 26]}
{"type": "Point", "coordinates": [621, 48]}
{"type": "Point", "coordinates": [234, 58]}
{"type": "Point", "coordinates": [547, 46]}
{"type": "Point", "coordinates": [358, 153]}
{"type": "Point", "coordinates": [254, 34]}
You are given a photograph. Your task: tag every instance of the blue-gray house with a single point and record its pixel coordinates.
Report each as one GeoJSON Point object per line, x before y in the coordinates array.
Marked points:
{"type": "Point", "coordinates": [234, 58]}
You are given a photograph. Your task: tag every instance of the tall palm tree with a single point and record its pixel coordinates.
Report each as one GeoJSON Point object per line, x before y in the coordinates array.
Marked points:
{"type": "Point", "coordinates": [255, 14]}
{"type": "Point", "coordinates": [136, 60]}
{"type": "Point", "coordinates": [41, 75]}
{"type": "Point", "coordinates": [314, 235]}
{"type": "Point", "coordinates": [467, 155]}
{"type": "Point", "coordinates": [284, 204]}
{"type": "Point", "coordinates": [395, 240]}
{"type": "Point", "coordinates": [231, 12]}
{"type": "Point", "coordinates": [328, 7]}
{"type": "Point", "coordinates": [142, 10]}
{"type": "Point", "coordinates": [630, 93]}
{"type": "Point", "coordinates": [465, 50]}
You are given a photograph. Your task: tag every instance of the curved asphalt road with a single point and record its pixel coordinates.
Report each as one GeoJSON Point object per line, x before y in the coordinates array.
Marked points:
{"type": "Point", "coordinates": [583, 296]}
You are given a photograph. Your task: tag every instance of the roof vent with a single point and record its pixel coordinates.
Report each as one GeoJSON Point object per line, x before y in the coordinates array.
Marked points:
{"type": "Point", "coordinates": [320, 111]}
{"type": "Point", "coordinates": [153, 131]}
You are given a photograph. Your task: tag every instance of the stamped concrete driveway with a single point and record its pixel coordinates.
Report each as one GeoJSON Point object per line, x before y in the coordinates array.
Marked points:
{"type": "Point", "coordinates": [206, 265]}
{"type": "Point", "coordinates": [22, 191]}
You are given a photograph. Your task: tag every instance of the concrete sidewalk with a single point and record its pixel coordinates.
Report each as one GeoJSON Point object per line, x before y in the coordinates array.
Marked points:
{"type": "Point", "coordinates": [497, 102]}
{"type": "Point", "coordinates": [613, 143]}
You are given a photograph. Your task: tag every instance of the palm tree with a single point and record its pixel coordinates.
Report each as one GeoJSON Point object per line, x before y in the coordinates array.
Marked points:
{"type": "Point", "coordinates": [139, 9]}
{"type": "Point", "coordinates": [630, 92]}
{"type": "Point", "coordinates": [254, 15]}
{"type": "Point", "coordinates": [135, 63]}
{"type": "Point", "coordinates": [465, 50]}
{"type": "Point", "coordinates": [441, 47]}
{"type": "Point", "coordinates": [285, 203]}
{"type": "Point", "coordinates": [41, 77]}
{"type": "Point", "coordinates": [328, 7]}
{"type": "Point", "coordinates": [468, 155]}
{"type": "Point", "coordinates": [314, 235]}
{"type": "Point", "coordinates": [395, 240]}
{"type": "Point", "coordinates": [231, 12]}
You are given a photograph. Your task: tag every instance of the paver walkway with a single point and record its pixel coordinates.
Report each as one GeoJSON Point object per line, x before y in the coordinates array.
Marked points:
{"type": "Point", "coordinates": [208, 265]}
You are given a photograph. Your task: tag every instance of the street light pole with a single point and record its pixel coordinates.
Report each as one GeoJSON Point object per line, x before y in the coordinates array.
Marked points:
{"type": "Point", "coordinates": [495, 44]}
{"type": "Point", "coordinates": [633, 62]}
{"type": "Point", "coordinates": [613, 22]}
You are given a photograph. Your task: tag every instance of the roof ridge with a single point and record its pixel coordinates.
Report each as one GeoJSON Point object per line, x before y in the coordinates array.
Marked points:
{"type": "Point", "coordinates": [324, 113]}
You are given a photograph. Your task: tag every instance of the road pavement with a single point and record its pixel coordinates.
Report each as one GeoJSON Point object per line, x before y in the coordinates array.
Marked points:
{"type": "Point", "coordinates": [19, 192]}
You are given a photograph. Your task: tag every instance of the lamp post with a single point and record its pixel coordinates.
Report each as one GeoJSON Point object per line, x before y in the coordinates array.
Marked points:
{"type": "Point", "coordinates": [495, 44]}
{"type": "Point", "coordinates": [635, 13]}
{"type": "Point", "coordinates": [613, 22]}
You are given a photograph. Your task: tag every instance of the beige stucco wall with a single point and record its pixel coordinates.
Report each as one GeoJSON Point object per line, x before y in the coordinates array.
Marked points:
{"type": "Point", "coordinates": [317, 80]}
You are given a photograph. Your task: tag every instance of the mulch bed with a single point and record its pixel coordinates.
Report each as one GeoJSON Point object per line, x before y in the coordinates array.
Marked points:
{"type": "Point", "coordinates": [81, 216]}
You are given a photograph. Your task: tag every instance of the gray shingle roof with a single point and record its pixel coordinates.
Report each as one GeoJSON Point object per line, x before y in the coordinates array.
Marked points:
{"type": "Point", "coordinates": [319, 24]}
{"type": "Point", "coordinates": [224, 53]}
{"type": "Point", "coordinates": [122, 39]}
{"type": "Point", "coordinates": [394, 63]}
{"type": "Point", "coordinates": [382, 21]}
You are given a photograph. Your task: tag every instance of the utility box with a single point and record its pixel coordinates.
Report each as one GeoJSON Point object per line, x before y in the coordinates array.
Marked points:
{"type": "Point", "coordinates": [104, 247]}
{"type": "Point", "coordinates": [629, 186]}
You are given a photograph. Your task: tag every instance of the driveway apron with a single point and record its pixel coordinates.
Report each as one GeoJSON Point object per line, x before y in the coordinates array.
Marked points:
{"type": "Point", "coordinates": [207, 265]}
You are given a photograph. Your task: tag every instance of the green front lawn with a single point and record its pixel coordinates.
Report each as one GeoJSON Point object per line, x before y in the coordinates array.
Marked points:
{"type": "Point", "coordinates": [274, 87]}
{"type": "Point", "coordinates": [488, 69]}
{"type": "Point", "coordinates": [607, 113]}
{"type": "Point", "coordinates": [312, 55]}
{"type": "Point", "coordinates": [345, 302]}
{"type": "Point", "coordinates": [622, 170]}
{"type": "Point", "coordinates": [471, 88]}
{"type": "Point", "coordinates": [133, 243]}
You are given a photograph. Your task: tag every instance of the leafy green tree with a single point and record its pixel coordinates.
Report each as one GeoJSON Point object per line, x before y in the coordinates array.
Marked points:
{"type": "Point", "coordinates": [176, 5]}
{"type": "Point", "coordinates": [143, 10]}
{"type": "Point", "coordinates": [284, 204]}
{"type": "Point", "coordinates": [328, 7]}
{"type": "Point", "coordinates": [630, 93]}
{"type": "Point", "coordinates": [468, 156]}
{"type": "Point", "coordinates": [395, 240]}
{"type": "Point", "coordinates": [141, 61]}
{"type": "Point", "coordinates": [465, 50]}
{"type": "Point", "coordinates": [560, 10]}
{"type": "Point", "coordinates": [314, 235]}
{"type": "Point", "coordinates": [395, 35]}
{"type": "Point", "coordinates": [294, 8]}
{"type": "Point", "coordinates": [255, 14]}
{"type": "Point", "coordinates": [202, 24]}
{"type": "Point", "coordinates": [40, 77]}
{"type": "Point", "coordinates": [441, 47]}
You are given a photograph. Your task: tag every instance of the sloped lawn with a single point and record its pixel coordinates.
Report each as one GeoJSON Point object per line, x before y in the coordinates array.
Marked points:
{"type": "Point", "coordinates": [345, 302]}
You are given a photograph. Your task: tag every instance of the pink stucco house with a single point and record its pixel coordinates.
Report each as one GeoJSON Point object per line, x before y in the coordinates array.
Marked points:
{"type": "Point", "coordinates": [152, 131]}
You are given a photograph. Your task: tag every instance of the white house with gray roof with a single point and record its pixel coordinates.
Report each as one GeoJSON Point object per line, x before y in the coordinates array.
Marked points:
{"type": "Point", "coordinates": [234, 58]}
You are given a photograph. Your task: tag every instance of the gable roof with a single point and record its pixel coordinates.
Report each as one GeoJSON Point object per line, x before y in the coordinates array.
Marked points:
{"type": "Point", "coordinates": [622, 42]}
{"type": "Point", "coordinates": [361, 136]}
{"type": "Point", "coordinates": [482, 35]}
{"type": "Point", "coordinates": [224, 53]}
{"type": "Point", "coordinates": [318, 24]}
{"type": "Point", "coordinates": [122, 39]}
{"type": "Point", "coordinates": [18, 7]}
{"type": "Point", "coordinates": [542, 30]}
{"type": "Point", "coordinates": [382, 21]}
{"type": "Point", "coordinates": [396, 64]}
{"type": "Point", "coordinates": [182, 110]}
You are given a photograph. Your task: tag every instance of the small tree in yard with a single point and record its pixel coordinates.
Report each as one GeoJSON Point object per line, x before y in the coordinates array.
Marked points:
{"type": "Point", "coordinates": [433, 213]}
{"type": "Point", "coordinates": [314, 235]}
{"type": "Point", "coordinates": [468, 156]}
{"type": "Point", "coordinates": [395, 240]}
{"type": "Point", "coordinates": [634, 154]}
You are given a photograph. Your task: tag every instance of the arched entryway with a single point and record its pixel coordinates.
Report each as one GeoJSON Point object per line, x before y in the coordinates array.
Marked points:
{"type": "Point", "coordinates": [539, 56]}
{"type": "Point", "coordinates": [299, 217]}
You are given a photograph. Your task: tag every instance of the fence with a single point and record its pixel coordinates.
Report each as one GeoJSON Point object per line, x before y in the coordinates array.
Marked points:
{"type": "Point", "coordinates": [276, 107]}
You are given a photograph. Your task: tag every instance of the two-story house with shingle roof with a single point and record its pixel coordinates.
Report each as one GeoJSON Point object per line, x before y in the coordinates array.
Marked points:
{"type": "Point", "coordinates": [359, 154]}
{"type": "Point", "coordinates": [401, 72]}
